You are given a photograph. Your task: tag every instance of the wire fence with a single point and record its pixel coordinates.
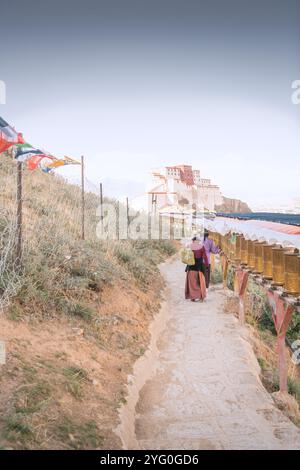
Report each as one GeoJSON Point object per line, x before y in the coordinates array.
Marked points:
{"type": "Point", "coordinates": [51, 221]}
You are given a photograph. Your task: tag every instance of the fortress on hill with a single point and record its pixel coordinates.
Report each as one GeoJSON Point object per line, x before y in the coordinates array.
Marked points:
{"type": "Point", "coordinates": [181, 185]}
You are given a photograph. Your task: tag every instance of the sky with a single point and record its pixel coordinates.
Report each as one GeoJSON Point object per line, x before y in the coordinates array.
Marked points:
{"type": "Point", "coordinates": [137, 84]}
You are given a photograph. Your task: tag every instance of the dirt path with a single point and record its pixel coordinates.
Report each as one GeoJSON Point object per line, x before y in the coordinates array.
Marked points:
{"type": "Point", "coordinates": [206, 392]}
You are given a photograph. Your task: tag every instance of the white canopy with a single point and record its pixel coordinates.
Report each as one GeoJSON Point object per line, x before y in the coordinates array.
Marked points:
{"type": "Point", "coordinates": [252, 230]}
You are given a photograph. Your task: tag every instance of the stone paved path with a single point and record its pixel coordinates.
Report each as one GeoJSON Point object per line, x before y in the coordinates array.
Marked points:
{"type": "Point", "coordinates": [206, 393]}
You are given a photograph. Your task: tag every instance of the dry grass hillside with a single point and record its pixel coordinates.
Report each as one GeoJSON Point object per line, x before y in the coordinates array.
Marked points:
{"type": "Point", "coordinates": [75, 318]}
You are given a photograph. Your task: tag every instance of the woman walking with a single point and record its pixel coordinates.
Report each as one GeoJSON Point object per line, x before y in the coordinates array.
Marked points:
{"type": "Point", "coordinates": [210, 248]}
{"type": "Point", "coordinates": [195, 288]}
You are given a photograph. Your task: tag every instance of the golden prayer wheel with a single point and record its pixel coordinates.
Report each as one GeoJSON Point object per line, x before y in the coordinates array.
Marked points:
{"type": "Point", "coordinates": [228, 237]}
{"type": "Point", "coordinates": [267, 261]}
{"type": "Point", "coordinates": [212, 235]}
{"type": "Point", "coordinates": [278, 265]}
{"type": "Point", "coordinates": [215, 238]}
{"type": "Point", "coordinates": [258, 257]}
{"type": "Point", "coordinates": [212, 262]}
{"type": "Point", "coordinates": [232, 246]}
{"type": "Point", "coordinates": [238, 248]}
{"type": "Point", "coordinates": [221, 242]}
{"type": "Point", "coordinates": [244, 250]}
{"type": "Point", "coordinates": [251, 258]}
{"type": "Point", "coordinates": [226, 244]}
{"type": "Point", "coordinates": [292, 273]}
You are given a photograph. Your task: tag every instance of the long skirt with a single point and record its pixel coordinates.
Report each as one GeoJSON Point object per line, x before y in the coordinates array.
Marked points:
{"type": "Point", "coordinates": [195, 287]}
{"type": "Point", "coordinates": [207, 276]}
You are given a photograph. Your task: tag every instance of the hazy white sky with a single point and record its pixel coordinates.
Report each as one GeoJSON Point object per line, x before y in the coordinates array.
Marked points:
{"type": "Point", "coordinates": [133, 85]}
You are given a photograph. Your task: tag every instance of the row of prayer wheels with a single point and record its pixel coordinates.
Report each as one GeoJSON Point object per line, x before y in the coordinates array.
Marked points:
{"type": "Point", "coordinates": [279, 265]}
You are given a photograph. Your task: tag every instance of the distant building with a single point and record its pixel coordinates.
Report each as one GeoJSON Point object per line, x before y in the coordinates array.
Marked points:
{"type": "Point", "coordinates": [181, 185]}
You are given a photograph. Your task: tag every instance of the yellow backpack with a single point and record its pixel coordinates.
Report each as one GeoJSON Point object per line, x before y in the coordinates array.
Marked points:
{"type": "Point", "coordinates": [187, 256]}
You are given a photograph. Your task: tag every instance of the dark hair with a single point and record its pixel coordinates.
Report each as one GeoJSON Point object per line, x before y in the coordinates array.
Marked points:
{"type": "Point", "coordinates": [206, 234]}
{"type": "Point", "coordinates": [194, 239]}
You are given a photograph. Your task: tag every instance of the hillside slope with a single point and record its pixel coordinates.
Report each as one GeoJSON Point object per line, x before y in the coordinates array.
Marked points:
{"type": "Point", "coordinates": [76, 320]}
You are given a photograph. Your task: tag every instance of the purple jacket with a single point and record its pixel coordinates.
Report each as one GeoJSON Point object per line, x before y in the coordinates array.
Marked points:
{"type": "Point", "coordinates": [210, 247]}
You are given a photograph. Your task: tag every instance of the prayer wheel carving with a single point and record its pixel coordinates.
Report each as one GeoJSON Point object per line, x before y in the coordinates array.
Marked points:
{"type": "Point", "coordinates": [278, 265]}
{"type": "Point", "coordinates": [267, 262]}
{"type": "Point", "coordinates": [292, 273]}
{"type": "Point", "coordinates": [258, 257]}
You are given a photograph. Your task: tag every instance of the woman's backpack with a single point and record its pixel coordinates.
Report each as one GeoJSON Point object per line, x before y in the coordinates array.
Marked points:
{"type": "Point", "coordinates": [187, 256]}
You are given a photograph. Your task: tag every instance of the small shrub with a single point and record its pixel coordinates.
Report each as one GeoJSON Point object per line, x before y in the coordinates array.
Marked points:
{"type": "Point", "coordinates": [294, 388]}
{"type": "Point", "coordinates": [123, 254]}
{"type": "Point", "coordinates": [76, 309]}
{"type": "Point", "coordinates": [15, 312]}
{"type": "Point", "coordinates": [16, 429]}
{"type": "Point", "coordinates": [76, 377]}
{"type": "Point", "coordinates": [293, 332]}
{"type": "Point", "coordinates": [230, 278]}
{"type": "Point", "coordinates": [266, 321]}
{"type": "Point", "coordinates": [32, 399]}
{"type": "Point", "coordinates": [82, 311]}
{"type": "Point", "coordinates": [216, 275]}
{"type": "Point", "coordinates": [259, 307]}
{"type": "Point", "coordinates": [80, 435]}
{"type": "Point", "coordinates": [270, 380]}
{"type": "Point", "coordinates": [262, 363]}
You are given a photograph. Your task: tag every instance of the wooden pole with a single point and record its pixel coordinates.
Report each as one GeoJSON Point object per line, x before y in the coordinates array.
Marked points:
{"type": "Point", "coordinates": [150, 217]}
{"type": "Point", "coordinates": [82, 200]}
{"type": "Point", "coordinates": [127, 218]}
{"type": "Point", "coordinates": [118, 220]}
{"type": "Point", "coordinates": [101, 207]}
{"type": "Point", "coordinates": [242, 280]}
{"type": "Point", "coordinates": [282, 313]}
{"type": "Point", "coordinates": [182, 227]}
{"type": "Point", "coordinates": [194, 221]}
{"type": "Point", "coordinates": [225, 270]}
{"type": "Point", "coordinates": [19, 215]}
{"type": "Point", "coordinates": [160, 226]}
{"type": "Point", "coordinates": [282, 364]}
{"type": "Point", "coordinates": [172, 226]}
